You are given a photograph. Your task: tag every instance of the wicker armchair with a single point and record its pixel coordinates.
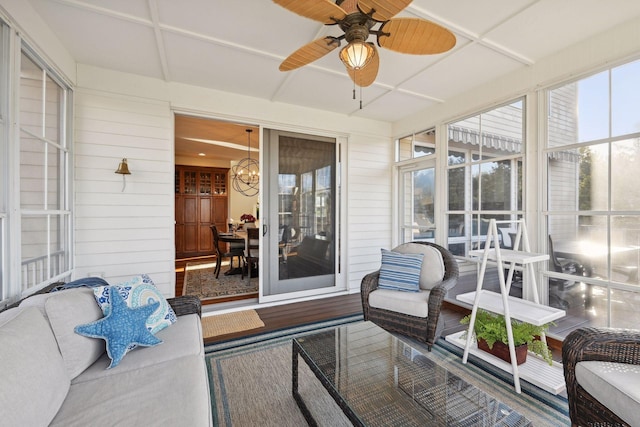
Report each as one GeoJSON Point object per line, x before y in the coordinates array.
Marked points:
{"type": "Point", "coordinates": [426, 329]}
{"type": "Point", "coordinates": [601, 344]}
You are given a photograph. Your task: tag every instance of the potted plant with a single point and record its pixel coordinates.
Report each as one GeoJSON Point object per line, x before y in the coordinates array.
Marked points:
{"type": "Point", "coordinates": [490, 330]}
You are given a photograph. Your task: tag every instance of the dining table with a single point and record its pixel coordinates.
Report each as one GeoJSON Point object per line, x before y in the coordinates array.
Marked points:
{"type": "Point", "coordinates": [236, 239]}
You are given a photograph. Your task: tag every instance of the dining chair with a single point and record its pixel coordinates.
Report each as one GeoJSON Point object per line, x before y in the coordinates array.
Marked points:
{"type": "Point", "coordinates": [220, 254]}
{"type": "Point", "coordinates": [564, 293]}
{"type": "Point", "coordinates": [562, 265]}
{"type": "Point", "coordinates": [253, 249]}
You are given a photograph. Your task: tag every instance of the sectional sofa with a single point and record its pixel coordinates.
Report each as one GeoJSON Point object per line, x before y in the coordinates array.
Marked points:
{"type": "Point", "coordinates": [51, 375]}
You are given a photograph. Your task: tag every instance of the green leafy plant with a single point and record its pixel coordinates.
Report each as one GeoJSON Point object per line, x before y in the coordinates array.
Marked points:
{"type": "Point", "coordinates": [493, 327]}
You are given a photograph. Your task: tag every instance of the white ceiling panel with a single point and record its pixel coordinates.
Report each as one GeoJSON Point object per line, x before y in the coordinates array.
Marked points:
{"type": "Point", "coordinates": [473, 16]}
{"type": "Point", "coordinates": [469, 67]}
{"type": "Point", "coordinates": [395, 68]}
{"type": "Point", "coordinates": [237, 22]}
{"type": "Point", "coordinates": [209, 65]}
{"type": "Point", "coordinates": [392, 106]}
{"type": "Point", "coordinates": [105, 41]}
{"type": "Point", "coordinates": [335, 94]}
{"type": "Point", "coordinates": [138, 8]}
{"type": "Point", "coordinates": [552, 25]}
{"type": "Point", "coordinates": [237, 46]}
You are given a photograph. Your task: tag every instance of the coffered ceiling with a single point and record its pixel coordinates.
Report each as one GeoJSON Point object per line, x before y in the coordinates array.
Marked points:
{"type": "Point", "coordinates": [237, 46]}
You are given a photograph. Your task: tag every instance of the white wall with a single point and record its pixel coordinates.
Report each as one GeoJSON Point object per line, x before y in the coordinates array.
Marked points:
{"type": "Point", "coordinates": [239, 204]}
{"type": "Point", "coordinates": [119, 233]}
{"type": "Point", "coordinates": [123, 115]}
{"type": "Point", "coordinates": [369, 204]}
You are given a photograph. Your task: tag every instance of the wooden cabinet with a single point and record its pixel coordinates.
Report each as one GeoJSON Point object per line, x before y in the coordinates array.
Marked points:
{"type": "Point", "coordinates": [201, 201]}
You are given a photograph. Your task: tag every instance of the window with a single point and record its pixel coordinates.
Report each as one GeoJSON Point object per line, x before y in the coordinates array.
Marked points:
{"type": "Point", "coordinates": [484, 175]}
{"type": "Point", "coordinates": [417, 145]}
{"type": "Point", "coordinates": [417, 187]}
{"type": "Point", "coordinates": [593, 196]}
{"type": "Point", "coordinates": [38, 163]}
{"type": "Point", "coordinates": [44, 158]}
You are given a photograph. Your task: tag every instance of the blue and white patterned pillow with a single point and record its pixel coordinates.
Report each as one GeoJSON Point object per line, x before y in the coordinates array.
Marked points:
{"type": "Point", "coordinates": [138, 292]}
{"type": "Point", "coordinates": [400, 272]}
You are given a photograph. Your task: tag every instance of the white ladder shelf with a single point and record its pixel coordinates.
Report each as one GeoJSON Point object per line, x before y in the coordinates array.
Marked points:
{"type": "Point", "coordinates": [527, 311]}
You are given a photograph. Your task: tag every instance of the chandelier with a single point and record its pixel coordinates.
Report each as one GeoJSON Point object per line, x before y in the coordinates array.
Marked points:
{"type": "Point", "coordinates": [245, 175]}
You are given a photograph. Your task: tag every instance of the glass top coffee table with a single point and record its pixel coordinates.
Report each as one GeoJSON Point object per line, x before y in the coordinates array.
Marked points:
{"type": "Point", "coordinates": [378, 380]}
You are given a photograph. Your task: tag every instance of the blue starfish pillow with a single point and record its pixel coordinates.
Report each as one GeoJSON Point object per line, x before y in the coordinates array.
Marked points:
{"type": "Point", "coordinates": [121, 327]}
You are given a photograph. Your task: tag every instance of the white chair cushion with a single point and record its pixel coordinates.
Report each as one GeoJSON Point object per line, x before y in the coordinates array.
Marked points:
{"type": "Point", "coordinates": [615, 385]}
{"type": "Point", "coordinates": [411, 303]}
{"type": "Point", "coordinates": [432, 271]}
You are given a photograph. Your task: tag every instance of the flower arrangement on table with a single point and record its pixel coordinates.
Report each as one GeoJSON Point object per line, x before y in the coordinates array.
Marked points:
{"type": "Point", "coordinates": [248, 218]}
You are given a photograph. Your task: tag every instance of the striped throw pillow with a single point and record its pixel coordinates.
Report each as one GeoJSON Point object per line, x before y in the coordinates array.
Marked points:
{"type": "Point", "coordinates": [400, 272]}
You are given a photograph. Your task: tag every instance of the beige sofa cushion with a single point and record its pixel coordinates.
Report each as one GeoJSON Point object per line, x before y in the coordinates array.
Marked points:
{"type": "Point", "coordinates": [66, 310]}
{"type": "Point", "coordinates": [183, 338]}
{"type": "Point", "coordinates": [411, 303]}
{"type": "Point", "coordinates": [432, 271]}
{"type": "Point", "coordinates": [38, 301]}
{"type": "Point", "coordinates": [33, 378]}
{"type": "Point", "coordinates": [174, 393]}
{"type": "Point", "coordinates": [615, 385]}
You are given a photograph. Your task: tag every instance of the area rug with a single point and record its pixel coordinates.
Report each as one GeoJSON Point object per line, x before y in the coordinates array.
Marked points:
{"type": "Point", "coordinates": [250, 383]}
{"type": "Point", "coordinates": [229, 323]}
{"type": "Point", "coordinates": [200, 280]}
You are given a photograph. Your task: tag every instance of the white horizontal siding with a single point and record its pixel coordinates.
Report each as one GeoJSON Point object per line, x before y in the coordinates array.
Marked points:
{"type": "Point", "coordinates": [118, 233]}
{"type": "Point", "coordinates": [369, 204]}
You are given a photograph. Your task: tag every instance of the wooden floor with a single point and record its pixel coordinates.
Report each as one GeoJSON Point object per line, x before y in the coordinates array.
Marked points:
{"type": "Point", "coordinates": [301, 313]}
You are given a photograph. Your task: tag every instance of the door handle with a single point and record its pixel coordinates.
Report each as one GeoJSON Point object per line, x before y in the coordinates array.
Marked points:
{"type": "Point", "coordinates": [264, 229]}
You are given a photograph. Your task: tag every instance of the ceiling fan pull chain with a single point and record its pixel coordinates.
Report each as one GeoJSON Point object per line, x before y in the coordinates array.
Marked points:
{"type": "Point", "coordinates": [354, 89]}
{"type": "Point", "coordinates": [361, 97]}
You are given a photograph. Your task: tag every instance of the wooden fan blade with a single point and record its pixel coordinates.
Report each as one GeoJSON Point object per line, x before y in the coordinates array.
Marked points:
{"type": "Point", "coordinates": [366, 76]}
{"type": "Point", "coordinates": [309, 53]}
{"type": "Point", "coordinates": [415, 36]}
{"type": "Point", "coordinates": [318, 10]}
{"type": "Point", "coordinates": [383, 10]}
{"type": "Point", "coordinates": [349, 6]}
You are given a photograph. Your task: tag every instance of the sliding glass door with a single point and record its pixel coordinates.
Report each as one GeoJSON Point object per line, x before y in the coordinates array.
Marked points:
{"type": "Point", "coordinates": [300, 203]}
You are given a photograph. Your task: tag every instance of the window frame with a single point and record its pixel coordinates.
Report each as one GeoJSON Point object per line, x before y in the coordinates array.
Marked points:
{"type": "Point", "coordinates": [607, 215]}
{"type": "Point", "coordinates": [14, 282]}
{"type": "Point", "coordinates": [475, 159]}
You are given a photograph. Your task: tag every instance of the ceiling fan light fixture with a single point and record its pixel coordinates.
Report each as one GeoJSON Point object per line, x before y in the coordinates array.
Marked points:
{"type": "Point", "coordinates": [356, 55]}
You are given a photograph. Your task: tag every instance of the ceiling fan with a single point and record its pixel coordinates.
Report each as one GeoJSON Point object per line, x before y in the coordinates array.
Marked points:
{"type": "Point", "coordinates": [358, 20]}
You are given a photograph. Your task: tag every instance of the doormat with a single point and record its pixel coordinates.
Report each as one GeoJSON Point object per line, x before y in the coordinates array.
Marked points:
{"type": "Point", "coordinates": [229, 323]}
{"type": "Point", "coordinates": [200, 280]}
